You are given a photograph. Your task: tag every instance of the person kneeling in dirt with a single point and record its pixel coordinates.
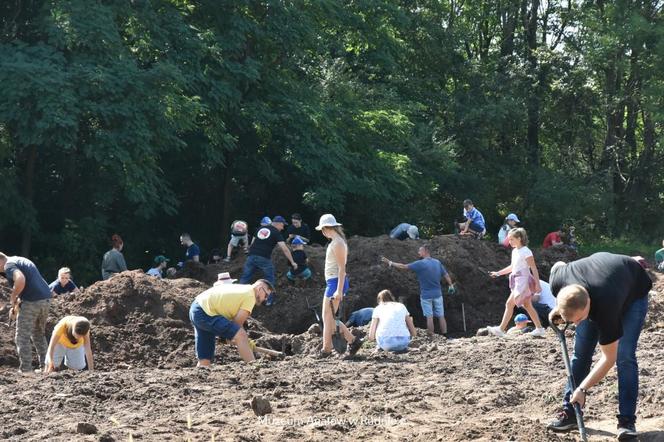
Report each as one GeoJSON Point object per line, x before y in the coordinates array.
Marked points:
{"type": "Point", "coordinates": [430, 272]}
{"type": "Point", "coordinates": [300, 257]}
{"type": "Point", "coordinates": [521, 322]}
{"type": "Point", "coordinates": [360, 318]}
{"type": "Point", "coordinates": [606, 296]}
{"type": "Point", "coordinates": [70, 342]}
{"type": "Point", "coordinates": [659, 258]}
{"type": "Point", "coordinates": [391, 325]}
{"type": "Point", "coordinates": [404, 231]}
{"type": "Point", "coordinates": [474, 225]}
{"type": "Point", "coordinates": [221, 311]}
{"type": "Point", "coordinates": [239, 237]}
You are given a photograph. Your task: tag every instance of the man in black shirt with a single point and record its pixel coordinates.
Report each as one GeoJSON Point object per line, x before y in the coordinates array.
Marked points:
{"type": "Point", "coordinates": [298, 228]}
{"type": "Point", "coordinates": [260, 253]}
{"type": "Point", "coordinates": [606, 296]}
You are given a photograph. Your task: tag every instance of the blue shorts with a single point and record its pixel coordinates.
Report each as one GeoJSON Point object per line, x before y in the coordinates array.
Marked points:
{"type": "Point", "coordinates": [332, 284]}
{"type": "Point", "coordinates": [393, 343]}
{"type": "Point", "coordinates": [207, 328]}
{"type": "Point", "coordinates": [433, 307]}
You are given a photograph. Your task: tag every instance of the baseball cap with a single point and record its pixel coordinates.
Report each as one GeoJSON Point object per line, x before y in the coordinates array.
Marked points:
{"type": "Point", "coordinates": [513, 217]}
{"type": "Point", "coordinates": [279, 219]}
{"type": "Point", "coordinates": [159, 259]}
{"type": "Point", "coordinates": [266, 220]}
{"type": "Point", "coordinates": [413, 232]}
{"type": "Point", "coordinates": [297, 241]}
{"type": "Point", "coordinates": [327, 220]}
{"type": "Point", "coordinates": [521, 318]}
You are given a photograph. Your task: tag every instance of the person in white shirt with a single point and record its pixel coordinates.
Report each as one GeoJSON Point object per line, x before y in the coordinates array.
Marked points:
{"type": "Point", "coordinates": [391, 324]}
{"type": "Point", "coordinates": [524, 281]}
{"type": "Point", "coordinates": [544, 302]}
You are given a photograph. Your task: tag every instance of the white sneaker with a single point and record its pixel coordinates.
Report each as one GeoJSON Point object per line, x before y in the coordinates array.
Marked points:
{"type": "Point", "coordinates": [538, 332]}
{"type": "Point", "coordinates": [496, 331]}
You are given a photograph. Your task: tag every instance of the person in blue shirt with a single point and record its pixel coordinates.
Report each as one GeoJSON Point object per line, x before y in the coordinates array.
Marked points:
{"type": "Point", "coordinates": [193, 251]}
{"type": "Point", "coordinates": [404, 231]}
{"type": "Point", "coordinates": [64, 283]}
{"type": "Point", "coordinates": [474, 224]}
{"type": "Point", "coordinates": [360, 317]}
{"type": "Point", "coordinates": [430, 272]}
{"type": "Point", "coordinates": [30, 300]}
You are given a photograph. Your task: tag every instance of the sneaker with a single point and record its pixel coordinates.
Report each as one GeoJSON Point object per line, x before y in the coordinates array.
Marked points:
{"type": "Point", "coordinates": [323, 354]}
{"type": "Point", "coordinates": [227, 259]}
{"type": "Point", "coordinates": [564, 422]}
{"type": "Point", "coordinates": [355, 346]}
{"type": "Point", "coordinates": [496, 331]}
{"type": "Point", "coordinates": [627, 431]}
{"type": "Point", "coordinates": [538, 332]}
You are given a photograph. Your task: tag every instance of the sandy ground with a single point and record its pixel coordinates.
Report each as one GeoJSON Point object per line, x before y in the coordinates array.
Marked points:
{"type": "Point", "coordinates": [146, 388]}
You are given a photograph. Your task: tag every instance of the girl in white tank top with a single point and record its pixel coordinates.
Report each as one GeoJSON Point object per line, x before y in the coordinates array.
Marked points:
{"type": "Point", "coordinates": [337, 283]}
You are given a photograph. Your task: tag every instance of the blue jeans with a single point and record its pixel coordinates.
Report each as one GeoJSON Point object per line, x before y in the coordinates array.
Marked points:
{"type": "Point", "coordinates": [393, 343]}
{"type": "Point", "coordinates": [253, 263]}
{"type": "Point", "coordinates": [207, 328]}
{"type": "Point", "coordinates": [305, 274]}
{"type": "Point", "coordinates": [585, 342]}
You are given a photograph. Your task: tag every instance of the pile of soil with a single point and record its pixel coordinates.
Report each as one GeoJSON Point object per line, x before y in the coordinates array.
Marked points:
{"type": "Point", "coordinates": [468, 261]}
{"type": "Point", "coordinates": [140, 320]}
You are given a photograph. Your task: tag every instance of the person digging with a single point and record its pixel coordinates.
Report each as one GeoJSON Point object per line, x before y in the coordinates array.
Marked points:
{"type": "Point", "coordinates": [222, 311]}
{"type": "Point", "coordinates": [606, 297]}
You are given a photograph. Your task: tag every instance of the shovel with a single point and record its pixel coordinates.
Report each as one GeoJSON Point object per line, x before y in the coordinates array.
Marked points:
{"type": "Point", "coordinates": [338, 341]}
{"type": "Point", "coordinates": [570, 377]}
{"type": "Point", "coordinates": [269, 352]}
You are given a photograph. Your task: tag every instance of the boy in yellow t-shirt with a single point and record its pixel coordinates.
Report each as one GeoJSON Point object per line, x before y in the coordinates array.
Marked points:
{"type": "Point", "coordinates": [70, 341]}
{"type": "Point", "coordinates": [221, 311]}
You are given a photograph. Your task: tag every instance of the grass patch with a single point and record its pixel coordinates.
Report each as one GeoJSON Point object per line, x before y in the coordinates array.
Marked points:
{"type": "Point", "coordinates": [623, 246]}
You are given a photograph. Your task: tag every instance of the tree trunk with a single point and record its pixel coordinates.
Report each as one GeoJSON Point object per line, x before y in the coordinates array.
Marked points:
{"type": "Point", "coordinates": [28, 189]}
{"type": "Point", "coordinates": [535, 86]}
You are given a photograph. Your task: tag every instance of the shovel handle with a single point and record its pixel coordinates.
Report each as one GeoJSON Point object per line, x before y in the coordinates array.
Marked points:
{"type": "Point", "coordinates": [570, 377]}
{"type": "Point", "coordinates": [268, 351]}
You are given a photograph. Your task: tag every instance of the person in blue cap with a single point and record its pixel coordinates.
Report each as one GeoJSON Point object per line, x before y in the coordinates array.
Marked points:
{"type": "Point", "coordinates": [160, 264]}
{"type": "Point", "coordinates": [303, 271]}
{"type": "Point", "coordinates": [521, 322]}
{"type": "Point", "coordinates": [260, 252]}
{"type": "Point", "coordinates": [511, 221]}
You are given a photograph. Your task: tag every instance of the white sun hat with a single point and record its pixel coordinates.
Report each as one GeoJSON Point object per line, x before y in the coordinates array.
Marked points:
{"type": "Point", "coordinates": [327, 220]}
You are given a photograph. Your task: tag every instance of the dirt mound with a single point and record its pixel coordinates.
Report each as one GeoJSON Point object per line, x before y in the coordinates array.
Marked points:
{"type": "Point", "coordinates": [136, 320]}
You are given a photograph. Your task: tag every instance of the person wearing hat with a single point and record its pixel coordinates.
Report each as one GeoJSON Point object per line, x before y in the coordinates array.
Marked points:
{"type": "Point", "coordinates": [337, 284]}
{"type": "Point", "coordinates": [160, 264]}
{"type": "Point", "coordinates": [511, 221]}
{"type": "Point", "coordinates": [303, 271]}
{"type": "Point", "coordinates": [298, 228]}
{"type": "Point", "coordinates": [224, 278]}
{"type": "Point", "coordinates": [404, 231]}
{"type": "Point", "coordinates": [239, 237]}
{"type": "Point", "coordinates": [521, 322]}
{"type": "Point", "coordinates": [260, 252]}
{"type": "Point", "coordinates": [222, 311]}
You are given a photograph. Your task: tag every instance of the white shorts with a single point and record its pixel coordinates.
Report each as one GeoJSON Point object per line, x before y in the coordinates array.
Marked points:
{"type": "Point", "coordinates": [74, 357]}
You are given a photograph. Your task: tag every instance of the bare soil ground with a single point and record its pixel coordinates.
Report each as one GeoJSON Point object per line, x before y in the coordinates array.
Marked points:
{"type": "Point", "coordinates": [469, 388]}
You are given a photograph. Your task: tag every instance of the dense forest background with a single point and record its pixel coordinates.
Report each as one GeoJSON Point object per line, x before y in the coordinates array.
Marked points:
{"type": "Point", "coordinates": [148, 118]}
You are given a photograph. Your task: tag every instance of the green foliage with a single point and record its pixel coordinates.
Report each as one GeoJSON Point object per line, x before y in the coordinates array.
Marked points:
{"type": "Point", "coordinates": [149, 118]}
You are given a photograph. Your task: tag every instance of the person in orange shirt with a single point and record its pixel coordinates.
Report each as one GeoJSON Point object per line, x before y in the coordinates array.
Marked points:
{"type": "Point", "coordinates": [70, 341]}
